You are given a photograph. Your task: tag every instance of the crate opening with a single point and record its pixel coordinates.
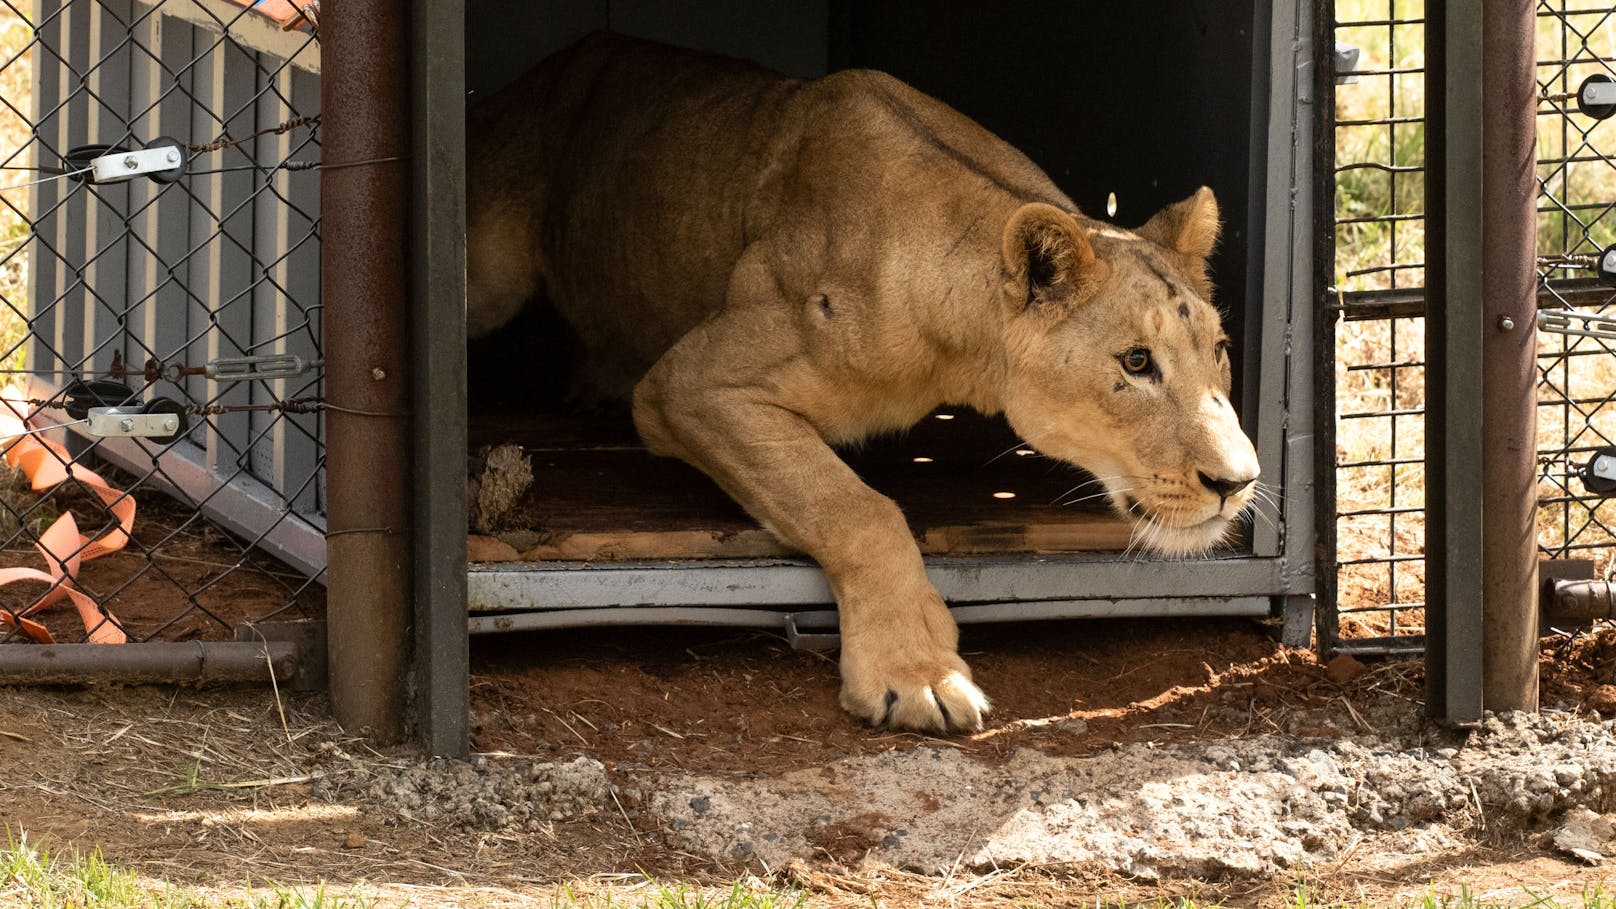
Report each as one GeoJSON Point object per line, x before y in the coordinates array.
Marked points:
{"type": "Point", "coordinates": [962, 479]}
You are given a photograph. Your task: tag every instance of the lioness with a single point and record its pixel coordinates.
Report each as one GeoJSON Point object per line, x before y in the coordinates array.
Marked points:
{"type": "Point", "coordinates": [769, 266]}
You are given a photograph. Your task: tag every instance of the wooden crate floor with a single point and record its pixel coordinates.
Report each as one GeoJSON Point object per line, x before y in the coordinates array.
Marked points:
{"type": "Point", "coordinates": [598, 495]}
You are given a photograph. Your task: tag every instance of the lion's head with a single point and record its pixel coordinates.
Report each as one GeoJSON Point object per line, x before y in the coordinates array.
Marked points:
{"type": "Point", "coordinates": [1118, 364]}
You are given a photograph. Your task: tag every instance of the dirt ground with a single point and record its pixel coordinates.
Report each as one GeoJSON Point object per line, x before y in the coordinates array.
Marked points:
{"type": "Point", "coordinates": [581, 736]}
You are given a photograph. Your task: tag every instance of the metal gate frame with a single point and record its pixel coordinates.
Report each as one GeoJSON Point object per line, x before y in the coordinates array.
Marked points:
{"type": "Point", "coordinates": [1480, 298]}
{"type": "Point", "coordinates": [1277, 573]}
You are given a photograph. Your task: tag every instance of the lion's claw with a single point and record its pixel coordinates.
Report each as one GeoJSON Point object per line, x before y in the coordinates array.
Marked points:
{"type": "Point", "coordinates": [952, 703]}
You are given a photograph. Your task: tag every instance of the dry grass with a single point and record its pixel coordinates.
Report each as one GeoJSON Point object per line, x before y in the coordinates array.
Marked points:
{"type": "Point", "coordinates": [16, 75]}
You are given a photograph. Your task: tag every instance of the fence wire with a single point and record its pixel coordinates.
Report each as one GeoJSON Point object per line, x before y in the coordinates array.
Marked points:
{"type": "Point", "coordinates": [149, 293]}
{"type": "Point", "coordinates": [1379, 296]}
{"type": "Point", "coordinates": [1380, 345]}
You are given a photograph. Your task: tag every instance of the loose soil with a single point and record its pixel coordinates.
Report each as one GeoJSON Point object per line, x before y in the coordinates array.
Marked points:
{"type": "Point", "coordinates": [605, 754]}
{"type": "Point", "coordinates": [747, 703]}
{"type": "Point", "coordinates": [179, 579]}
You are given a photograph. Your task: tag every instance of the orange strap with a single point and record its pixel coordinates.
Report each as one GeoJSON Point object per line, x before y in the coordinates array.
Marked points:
{"type": "Point", "coordinates": [47, 465]}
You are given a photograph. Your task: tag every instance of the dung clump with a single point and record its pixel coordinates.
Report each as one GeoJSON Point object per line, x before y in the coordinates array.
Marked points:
{"type": "Point", "coordinates": [494, 491]}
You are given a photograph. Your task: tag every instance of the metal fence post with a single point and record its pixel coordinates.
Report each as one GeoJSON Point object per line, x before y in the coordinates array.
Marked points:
{"type": "Point", "coordinates": [438, 313]}
{"type": "Point", "coordinates": [1454, 332]}
{"type": "Point", "coordinates": [1509, 384]}
{"type": "Point", "coordinates": [364, 193]}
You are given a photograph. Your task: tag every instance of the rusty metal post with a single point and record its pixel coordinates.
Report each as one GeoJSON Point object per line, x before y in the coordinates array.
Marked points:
{"type": "Point", "coordinates": [1509, 380]}
{"type": "Point", "coordinates": [149, 662]}
{"type": "Point", "coordinates": [364, 237]}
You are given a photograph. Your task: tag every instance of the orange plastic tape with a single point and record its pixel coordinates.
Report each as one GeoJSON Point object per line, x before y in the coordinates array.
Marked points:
{"type": "Point", "coordinates": [47, 465]}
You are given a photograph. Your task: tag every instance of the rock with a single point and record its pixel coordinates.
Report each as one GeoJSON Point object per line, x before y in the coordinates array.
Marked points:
{"type": "Point", "coordinates": [354, 840]}
{"type": "Point", "coordinates": [1586, 835]}
{"type": "Point", "coordinates": [1344, 668]}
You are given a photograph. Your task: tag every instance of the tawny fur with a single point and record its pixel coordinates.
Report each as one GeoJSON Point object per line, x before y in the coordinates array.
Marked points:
{"type": "Point", "coordinates": [766, 266]}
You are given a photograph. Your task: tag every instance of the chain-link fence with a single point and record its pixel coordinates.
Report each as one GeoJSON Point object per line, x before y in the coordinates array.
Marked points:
{"type": "Point", "coordinates": [1576, 221]}
{"type": "Point", "coordinates": [160, 239]}
{"type": "Point", "coordinates": [1378, 294]}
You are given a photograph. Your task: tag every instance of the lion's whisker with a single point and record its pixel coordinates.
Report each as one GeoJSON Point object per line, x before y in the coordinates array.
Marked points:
{"type": "Point", "coordinates": [1081, 499]}
{"type": "Point", "coordinates": [1015, 447]}
{"type": "Point", "coordinates": [1090, 482]}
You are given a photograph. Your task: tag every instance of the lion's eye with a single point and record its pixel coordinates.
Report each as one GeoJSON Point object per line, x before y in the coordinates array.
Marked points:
{"type": "Point", "coordinates": [1137, 361]}
{"type": "Point", "coordinates": [1221, 350]}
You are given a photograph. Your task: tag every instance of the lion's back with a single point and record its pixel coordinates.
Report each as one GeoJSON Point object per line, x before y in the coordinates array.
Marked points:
{"type": "Point", "coordinates": [650, 169]}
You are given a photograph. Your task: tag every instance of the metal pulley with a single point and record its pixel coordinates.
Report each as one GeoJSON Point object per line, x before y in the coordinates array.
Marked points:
{"type": "Point", "coordinates": [1596, 96]}
{"type": "Point", "coordinates": [81, 395]}
{"type": "Point", "coordinates": [1599, 474]}
{"type": "Point", "coordinates": [162, 160]}
{"type": "Point", "coordinates": [80, 159]}
{"type": "Point", "coordinates": [1606, 266]}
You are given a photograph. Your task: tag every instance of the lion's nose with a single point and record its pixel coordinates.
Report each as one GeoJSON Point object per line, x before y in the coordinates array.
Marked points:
{"type": "Point", "coordinates": [1224, 488]}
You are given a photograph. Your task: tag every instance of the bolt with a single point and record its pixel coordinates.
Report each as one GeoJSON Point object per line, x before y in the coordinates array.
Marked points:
{"type": "Point", "coordinates": [378, 374]}
{"type": "Point", "coordinates": [126, 424]}
{"type": "Point", "coordinates": [130, 162]}
{"type": "Point", "coordinates": [170, 424]}
{"type": "Point", "coordinates": [173, 156]}
{"type": "Point", "coordinates": [1506, 323]}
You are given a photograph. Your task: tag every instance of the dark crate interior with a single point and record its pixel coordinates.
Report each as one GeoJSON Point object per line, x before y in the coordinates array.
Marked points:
{"type": "Point", "coordinates": [1143, 103]}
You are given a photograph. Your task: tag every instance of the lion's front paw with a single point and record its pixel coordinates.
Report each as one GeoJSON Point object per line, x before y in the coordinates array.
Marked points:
{"type": "Point", "coordinates": [900, 690]}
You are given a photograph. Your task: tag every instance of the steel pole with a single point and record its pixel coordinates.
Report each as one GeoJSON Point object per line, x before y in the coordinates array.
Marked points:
{"type": "Point", "coordinates": [438, 317]}
{"type": "Point", "coordinates": [1454, 330]}
{"type": "Point", "coordinates": [1509, 379]}
{"type": "Point", "coordinates": [150, 662]}
{"type": "Point", "coordinates": [364, 267]}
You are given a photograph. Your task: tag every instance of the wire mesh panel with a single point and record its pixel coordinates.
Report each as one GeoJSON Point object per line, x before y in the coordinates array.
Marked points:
{"type": "Point", "coordinates": [1576, 221]}
{"type": "Point", "coordinates": [1380, 344]}
{"type": "Point", "coordinates": [186, 297]}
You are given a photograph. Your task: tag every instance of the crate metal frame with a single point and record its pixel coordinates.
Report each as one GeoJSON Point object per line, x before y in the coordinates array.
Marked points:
{"type": "Point", "coordinates": [1276, 575]}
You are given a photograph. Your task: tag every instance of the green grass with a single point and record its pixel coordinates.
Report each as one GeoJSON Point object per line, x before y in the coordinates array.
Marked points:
{"type": "Point", "coordinates": [33, 877]}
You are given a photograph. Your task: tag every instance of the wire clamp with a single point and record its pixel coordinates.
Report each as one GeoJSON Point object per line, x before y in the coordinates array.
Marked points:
{"type": "Point", "coordinates": [163, 160]}
{"type": "Point", "coordinates": [161, 420]}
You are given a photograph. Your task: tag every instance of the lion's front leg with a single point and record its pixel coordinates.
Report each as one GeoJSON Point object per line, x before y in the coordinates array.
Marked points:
{"type": "Point", "coordinates": [900, 661]}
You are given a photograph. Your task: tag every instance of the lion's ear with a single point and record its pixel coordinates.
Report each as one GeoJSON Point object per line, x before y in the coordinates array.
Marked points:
{"type": "Point", "coordinates": [1189, 227]}
{"type": "Point", "coordinates": [1049, 260]}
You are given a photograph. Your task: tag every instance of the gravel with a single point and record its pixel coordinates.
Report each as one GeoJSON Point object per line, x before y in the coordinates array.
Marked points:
{"type": "Point", "coordinates": [1249, 807]}
{"type": "Point", "coordinates": [1238, 808]}
{"type": "Point", "coordinates": [482, 794]}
